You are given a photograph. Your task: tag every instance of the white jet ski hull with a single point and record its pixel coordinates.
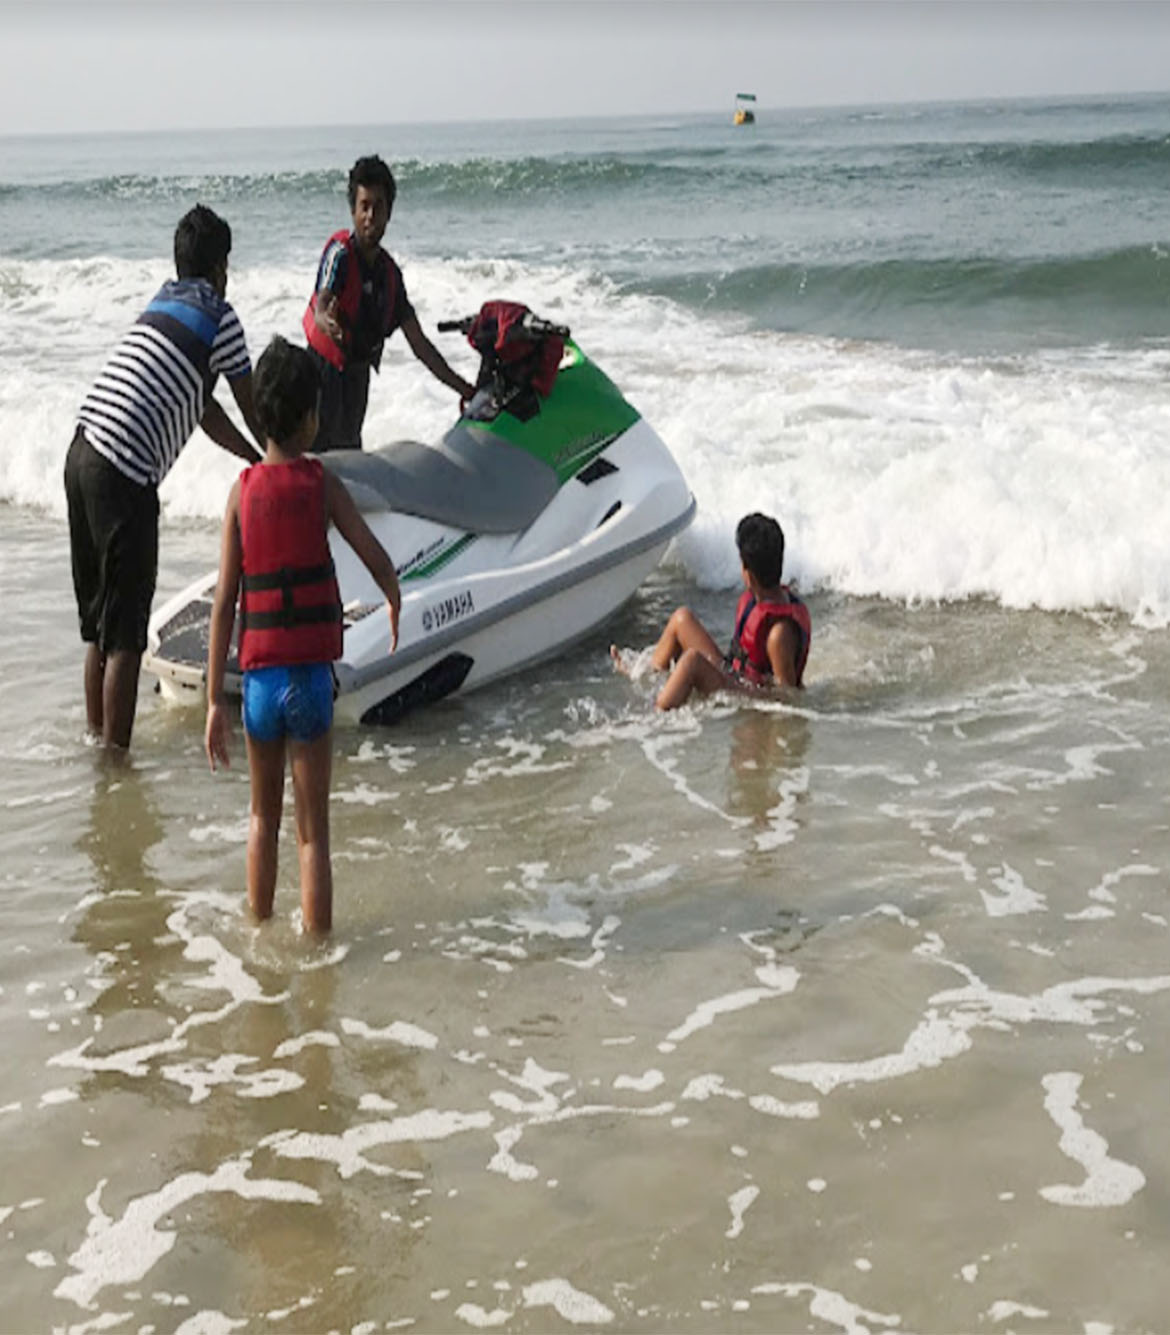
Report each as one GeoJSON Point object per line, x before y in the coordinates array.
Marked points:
{"type": "Point", "coordinates": [474, 608]}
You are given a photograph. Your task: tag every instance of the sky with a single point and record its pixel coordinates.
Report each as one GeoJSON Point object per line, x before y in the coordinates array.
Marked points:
{"type": "Point", "coordinates": [94, 65]}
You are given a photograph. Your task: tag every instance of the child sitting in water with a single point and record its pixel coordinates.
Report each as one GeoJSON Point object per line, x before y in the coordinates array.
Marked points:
{"type": "Point", "coordinates": [772, 629]}
{"type": "Point", "coordinates": [275, 544]}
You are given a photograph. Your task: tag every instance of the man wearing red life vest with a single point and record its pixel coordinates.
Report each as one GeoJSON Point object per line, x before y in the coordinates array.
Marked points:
{"type": "Point", "coordinates": [769, 645]}
{"type": "Point", "coordinates": [358, 301]}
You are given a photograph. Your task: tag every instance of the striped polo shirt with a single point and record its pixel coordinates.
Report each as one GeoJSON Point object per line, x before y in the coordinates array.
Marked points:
{"type": "Point", "coordinates": [151, 393]}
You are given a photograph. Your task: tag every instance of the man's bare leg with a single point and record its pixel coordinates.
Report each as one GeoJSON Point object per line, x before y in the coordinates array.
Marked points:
{"type": "Point", "coordinates": [119, 696]}
{"type": "Point", "coordinates": [95, 671]}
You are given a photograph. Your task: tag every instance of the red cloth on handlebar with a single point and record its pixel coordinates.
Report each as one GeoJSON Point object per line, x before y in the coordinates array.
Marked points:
{"type": "Point", "coordinates": [499, 328]}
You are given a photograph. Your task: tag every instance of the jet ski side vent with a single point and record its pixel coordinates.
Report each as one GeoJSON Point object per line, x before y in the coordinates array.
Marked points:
{"type": "Point", "coordinates": [599, 468]}
{"type": "Point", "coordinates": [444, 677]}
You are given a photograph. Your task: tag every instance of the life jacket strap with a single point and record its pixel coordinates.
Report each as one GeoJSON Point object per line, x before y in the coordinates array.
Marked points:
{"type": "Point", "coordinates": [288, 615]}
{"type": "Point", "coordinates": [287, 577]}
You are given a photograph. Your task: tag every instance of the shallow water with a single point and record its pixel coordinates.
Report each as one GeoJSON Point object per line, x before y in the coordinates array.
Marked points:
{"type": "Point", "coordinates": [847, 1014]}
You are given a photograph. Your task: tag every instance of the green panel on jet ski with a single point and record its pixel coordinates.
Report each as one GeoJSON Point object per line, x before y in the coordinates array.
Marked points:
{"type": "Point", "coordinates": [583, 415]}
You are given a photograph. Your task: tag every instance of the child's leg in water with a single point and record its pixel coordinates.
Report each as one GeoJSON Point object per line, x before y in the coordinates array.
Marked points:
{"type": "Point", "coordinates": [266, 768]}
{"type": "Point", "coordinates": [683, 631]}
{"type": "Point", "coordinates": [312, 768]}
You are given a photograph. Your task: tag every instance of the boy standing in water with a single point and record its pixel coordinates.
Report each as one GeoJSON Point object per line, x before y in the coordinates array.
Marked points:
{"type": "Point", "coordinates": [275, 544]}
{"type": "Point", "coordinates": [358, 301]}
{"type": "Point", "coordinates": [772, 629]}
{"type": "Point", "coordinates": [152, 393]}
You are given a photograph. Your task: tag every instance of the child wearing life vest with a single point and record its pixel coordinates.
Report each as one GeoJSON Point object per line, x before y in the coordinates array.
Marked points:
{"type": "Point", "coordinates": [772, 629]}
{"type": "Point", "coordinates": [358, 300]}
{"type": "Point", "coordinates": [274, 556]}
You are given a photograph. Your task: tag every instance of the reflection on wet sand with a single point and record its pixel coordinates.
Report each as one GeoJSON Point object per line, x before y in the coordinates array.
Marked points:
{"type": "Point", "coordinates": [767, 780]}
{"type": "Point", "coordinates": [238, 1085]}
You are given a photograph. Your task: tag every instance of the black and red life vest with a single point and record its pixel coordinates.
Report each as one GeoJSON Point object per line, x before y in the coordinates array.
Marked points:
{"type": "Point", "coordinates": [349, 299]}
{"type": "Point", "coordinates": [290, 607]}
{"type": "Point", "coordinates": [748, 653]}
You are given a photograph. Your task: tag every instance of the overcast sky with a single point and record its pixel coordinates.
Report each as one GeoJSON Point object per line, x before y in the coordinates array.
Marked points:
{"type": "Point", "coordinates": [163, 64]}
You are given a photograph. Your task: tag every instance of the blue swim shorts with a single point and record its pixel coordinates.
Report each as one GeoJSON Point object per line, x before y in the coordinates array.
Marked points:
{"type": "Point", "coordinates": [294, 702]}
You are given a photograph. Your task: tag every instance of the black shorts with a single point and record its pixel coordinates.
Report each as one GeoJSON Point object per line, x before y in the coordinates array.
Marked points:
{"type": "Point", "coordinates": [113, 540]}
{"type": "Point", "coordinates": [344, 395]}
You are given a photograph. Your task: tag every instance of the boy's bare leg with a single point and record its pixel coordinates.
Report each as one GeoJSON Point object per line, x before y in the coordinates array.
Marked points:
{"type": "Point", "coordinates": [119, 696]}
{"type": "Point", "coordinates": [694, 671]}
{"type": "Point", "coordinates": [266, 768]}
{"type": "Point", "coordinates": [312, 768]}
{"type": "Point", "coordinates": [684, 631]}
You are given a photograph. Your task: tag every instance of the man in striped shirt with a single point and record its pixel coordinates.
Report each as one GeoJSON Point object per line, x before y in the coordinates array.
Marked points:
{"type": "Point", "coordinates": [152, 393]}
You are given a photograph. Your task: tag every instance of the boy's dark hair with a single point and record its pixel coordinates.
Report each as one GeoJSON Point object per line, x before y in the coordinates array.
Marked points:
{"type": "Point", "coordinates": [371, 172]}
{"type": "Point", "coordinates": [760, 540]}
{"type": "Point", "coordinates": [284, 389]}
{"type": "Point", "coordinates": [202, 243]}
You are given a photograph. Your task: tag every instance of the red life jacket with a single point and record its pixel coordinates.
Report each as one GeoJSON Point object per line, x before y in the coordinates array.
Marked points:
{"type": "Point", "coordinates": [290, 607]}
{"type": "Point", "coordinates": [349, 299]}
{"type": "Point", "coordinates": [748, 653]}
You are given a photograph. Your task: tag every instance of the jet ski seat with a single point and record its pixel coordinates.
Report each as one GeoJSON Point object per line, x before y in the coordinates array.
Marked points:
{"type": "Point", "coordinates": [470, 480]}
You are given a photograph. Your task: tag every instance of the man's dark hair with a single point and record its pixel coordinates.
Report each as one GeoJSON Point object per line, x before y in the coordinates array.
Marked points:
{"type": "Point", "coordinates": [760, 540]}
{"type": "Point", "coordinates": [284, 389]}
{"type": "Point", "coordinates": [202, 243]}
{"type": "Point", "coordinates": [371, 172]}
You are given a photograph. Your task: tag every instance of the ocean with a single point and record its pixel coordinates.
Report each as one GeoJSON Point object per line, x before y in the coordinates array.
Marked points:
{"type": "Point", "coordinates": [847, 1010]}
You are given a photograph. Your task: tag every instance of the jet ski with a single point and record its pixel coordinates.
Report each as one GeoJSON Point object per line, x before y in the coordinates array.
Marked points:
{"type": "Point", "coordinates": [522, 530]}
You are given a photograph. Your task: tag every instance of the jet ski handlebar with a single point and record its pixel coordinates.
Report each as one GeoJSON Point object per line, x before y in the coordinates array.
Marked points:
{"type": "Point", "coordinates": [533, 325]}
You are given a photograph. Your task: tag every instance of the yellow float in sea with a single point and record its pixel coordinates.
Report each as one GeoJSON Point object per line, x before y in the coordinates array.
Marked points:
{"type": "Point", "coordinates": [745, 113]}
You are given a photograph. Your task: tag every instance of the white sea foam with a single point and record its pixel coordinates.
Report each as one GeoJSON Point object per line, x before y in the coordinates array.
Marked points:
{"type": "Point", "coordinates": [209, 1323]}
{"type": "Point", "coordinates": [945, 1031]}
{"type": "Point", "coordinates": [1015, 896]}
{"type": "Point", "coordinates": [201, 1077]}
{"type": "Point", "coordinates": [317, 1038]}
{"type": "Point", "coordinates": [739, 1202]}
{"type": "Point", "coordinates": [399, 1031]}
{"type": "Point", "coordinates": [1040, 481]}
{"type": "Point", "coordinates": [505, 1162]}
{"type": "Point", "coordinates": [536, 1080]}
{"type": "Point", "coordinates": [569, 1303]}
{"type": "Point", "coordinates": [641, 1084]}
{"type": "Point", "coordinates": [123, 1251]}
{"type": "Point", "coordinates": [1108, 1181]}
{"type": "Point", "coordinates": [1004, 1308]}
{"type": "Point", "coordinates": [777, 981]}
{"type": "Point", "coordinates": [478, 1316]}
{"type": "Point", "coordinates": [348, 1150]}
{"type": "Point", "coordinates": [831, 1306]}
